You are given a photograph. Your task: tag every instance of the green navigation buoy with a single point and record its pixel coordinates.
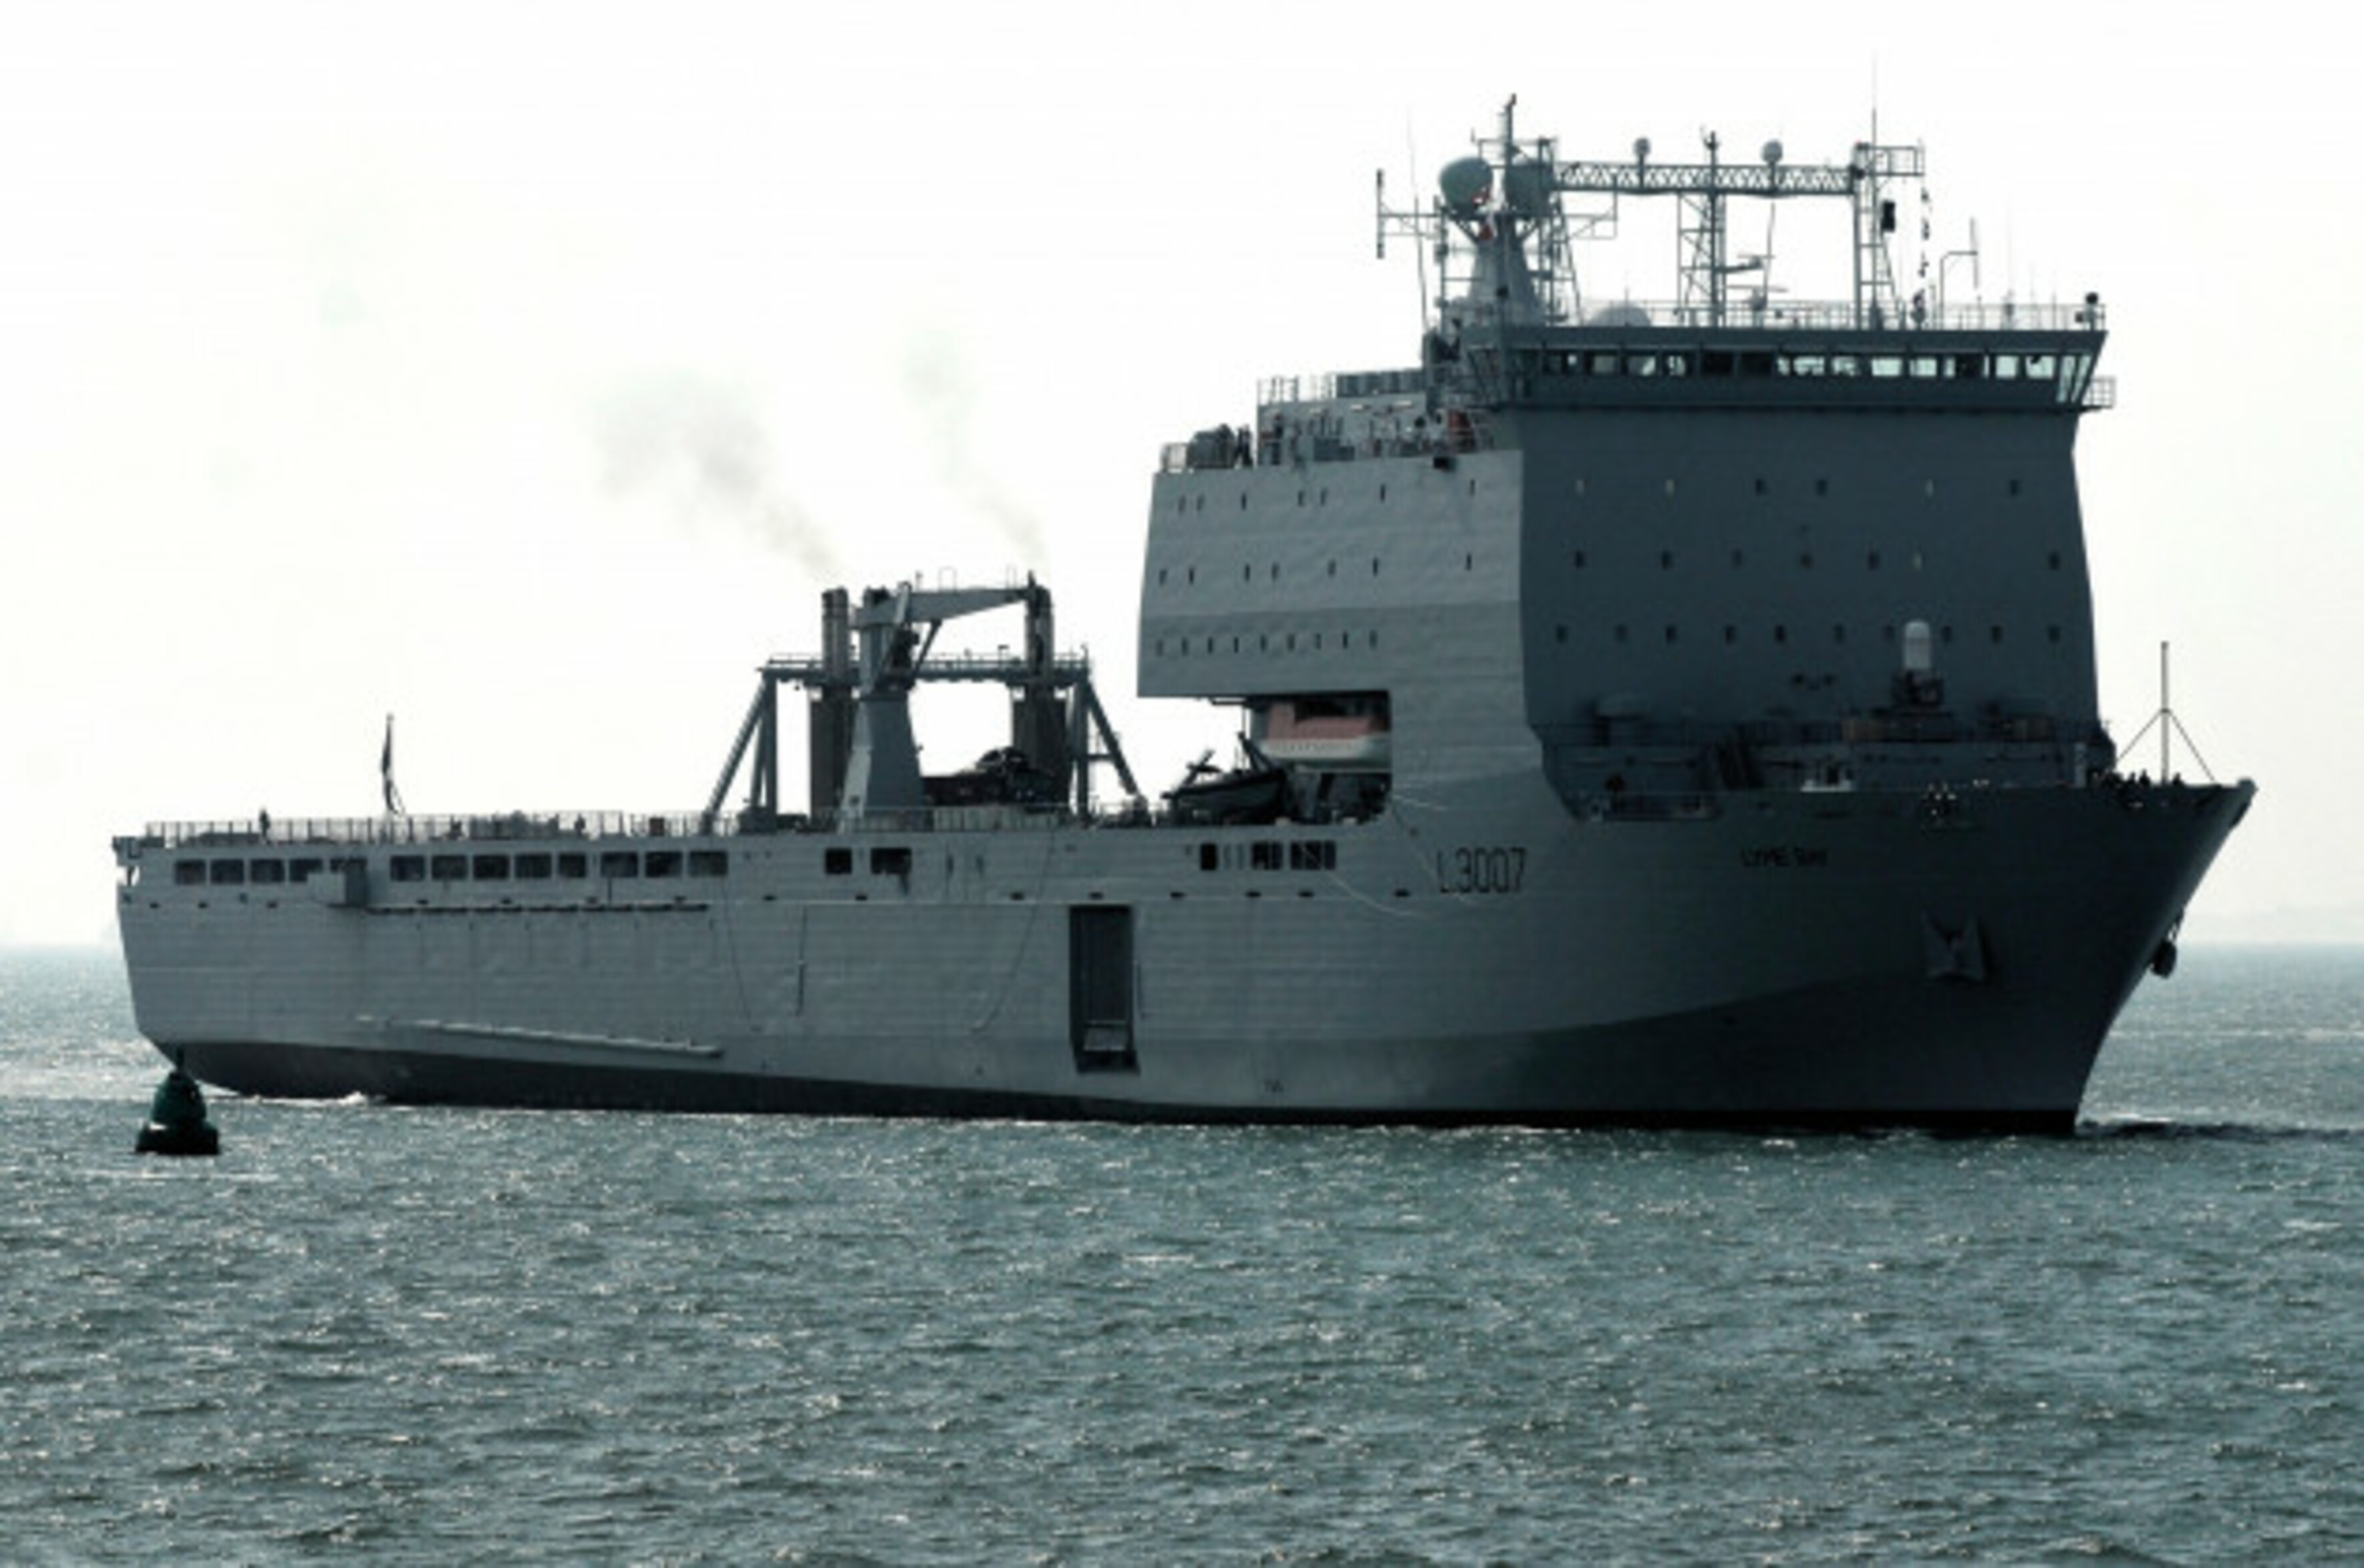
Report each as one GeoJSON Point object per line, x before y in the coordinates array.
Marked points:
{"type": "Point", "coordinates": [176, 1119]}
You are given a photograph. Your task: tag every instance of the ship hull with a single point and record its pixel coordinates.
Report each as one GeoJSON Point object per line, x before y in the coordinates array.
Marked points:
{"type": "Point", "coordinates": [1850, 960]}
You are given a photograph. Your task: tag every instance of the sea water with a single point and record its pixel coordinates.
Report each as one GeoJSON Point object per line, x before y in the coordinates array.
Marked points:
{"type": "Point", "coordinates": [433, 1335]}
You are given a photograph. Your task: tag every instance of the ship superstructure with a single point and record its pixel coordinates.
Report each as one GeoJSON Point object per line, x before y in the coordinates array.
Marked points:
{"type": "Point", "coordinates": [1650, 712]}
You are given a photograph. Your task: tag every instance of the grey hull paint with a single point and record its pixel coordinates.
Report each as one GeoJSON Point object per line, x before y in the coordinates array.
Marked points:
{"type": "Point", "coordinates": [1961, 972]}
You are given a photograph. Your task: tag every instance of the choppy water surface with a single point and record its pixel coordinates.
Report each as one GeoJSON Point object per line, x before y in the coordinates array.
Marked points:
{"type": "Point", "coordinates": [553, 1336]}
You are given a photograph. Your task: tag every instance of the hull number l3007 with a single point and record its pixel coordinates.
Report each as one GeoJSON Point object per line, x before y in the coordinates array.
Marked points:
{"type": "Point", "coordinates": [1481, 868]}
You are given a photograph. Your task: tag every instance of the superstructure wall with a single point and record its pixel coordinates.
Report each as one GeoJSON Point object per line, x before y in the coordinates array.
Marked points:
{"type": "Point", "coordinates": [1728, 566]}
{"type": "Point", "coordinates": [1398, 574]}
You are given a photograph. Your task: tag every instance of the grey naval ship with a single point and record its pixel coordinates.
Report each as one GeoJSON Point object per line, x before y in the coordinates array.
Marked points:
{"type": "Point", "coordinates": [1679, 712]}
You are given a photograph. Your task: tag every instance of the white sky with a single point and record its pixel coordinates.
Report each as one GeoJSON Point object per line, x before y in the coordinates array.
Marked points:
{"type": "Point", "coordinates": [527, 370]}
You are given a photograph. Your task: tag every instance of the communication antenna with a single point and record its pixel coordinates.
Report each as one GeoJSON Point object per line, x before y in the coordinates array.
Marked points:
{"type": "Point", "coordinates": [1420, 252]}
{"type": "Point", "coordinates": [2169, 727]}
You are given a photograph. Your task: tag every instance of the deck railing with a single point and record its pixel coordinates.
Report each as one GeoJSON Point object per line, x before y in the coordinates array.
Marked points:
{"type": "Point", "coordinates": [288, 833]}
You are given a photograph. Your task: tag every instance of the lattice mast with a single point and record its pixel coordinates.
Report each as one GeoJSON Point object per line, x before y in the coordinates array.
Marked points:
{"type": "Point", "coordinates": [1515, 234]}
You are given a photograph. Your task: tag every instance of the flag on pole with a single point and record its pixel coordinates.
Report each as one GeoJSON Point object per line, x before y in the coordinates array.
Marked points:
{"type": "Point", "coordinates": [386, 772]}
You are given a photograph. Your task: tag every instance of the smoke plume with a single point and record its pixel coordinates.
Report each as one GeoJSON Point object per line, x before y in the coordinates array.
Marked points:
{"type": "Point", "coordinates": [696, 444]}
